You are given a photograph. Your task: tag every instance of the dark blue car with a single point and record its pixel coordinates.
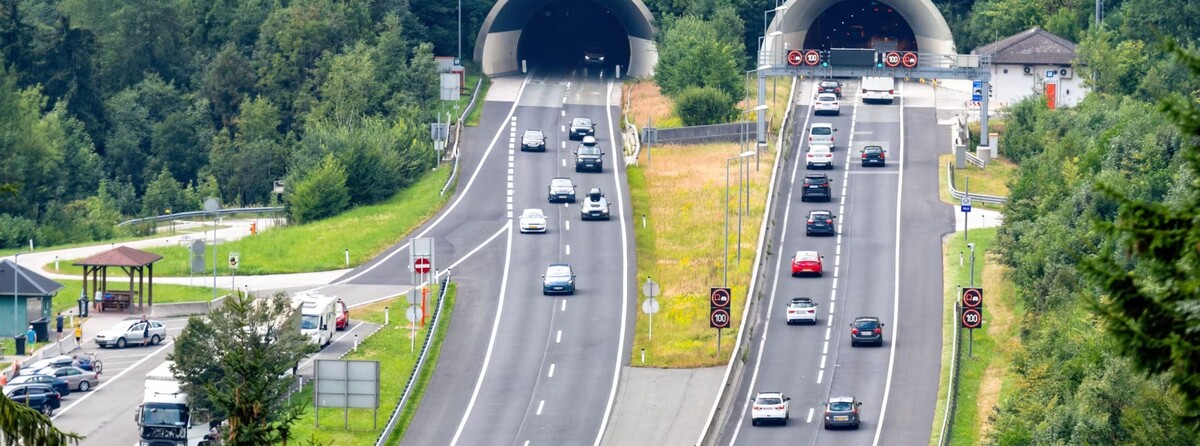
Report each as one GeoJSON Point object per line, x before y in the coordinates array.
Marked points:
{"type": "Point", "coordinates": [59, 384]}
{"type": "Point", "coordinates": [559, 279]}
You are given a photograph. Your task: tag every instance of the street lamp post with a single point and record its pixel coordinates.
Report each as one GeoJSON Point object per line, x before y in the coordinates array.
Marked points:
{"type": "Point", "coordinates": [972, 247]}
{"type": "Point", "coordinates": [725, 281]}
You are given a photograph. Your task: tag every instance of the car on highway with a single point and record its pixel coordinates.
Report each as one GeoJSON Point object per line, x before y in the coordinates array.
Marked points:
{"type": "Point", "coordinates": [343, 315]}
{"type": "Point", "coordinates": [816, 185]}
{"type": "Point", "coordinates": [560, 190]}
{"type": "Point", "coordinates": [533, 140]}
{"type": "Point", "coordinates": [581, 127]}
{"type": "Point", "coordinates": [589, 158]}
{"type": "Point", "coordinates": [533, 220]}
{"type": "Point", "coordinates": [830, 86]}
{"type": "Point", "coordinates": [819, 156]}
{"type": "Point", "coordinates": [559, 279]}
{"type": "Point", "coordinates": [842, 411]}
{"type": "Point", "coordinates": [41, 397]}
{"type": "Point", "coordinates": [826, 104]}
{"type": "Point", "coordinates": [769, 407]}
{"type": "Point", "coordinates": [878, 89]}
{"type": "Point", "coordinates": [820, 222]}
{"type": "Point", "coordinates": [801, 309]}
{"type": "Point", "coordinates": [822, 133]}
{"type": "Point", "coordinates": [866, 330]}
{"type": "Point", "coordinates": [874, 155]}
{"type": "Point", "coordinates": [75, 377]}
{"type": "Point", "coordinates": [594, 55]}
{"type": "Point", "coordinates": [595, 206]}
{"type": "Point", "coordinates": [130, 332]}
{"type": "Point", "coordinates": [61, 386]}
{"type": "Point", "coordinates": [807, 262]}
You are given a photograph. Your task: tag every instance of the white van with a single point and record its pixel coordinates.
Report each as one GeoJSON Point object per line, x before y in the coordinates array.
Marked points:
{"type": "Point", "coordinates": [878, 89]}
{"type": "Point", "coordinates": [821, 134]}
{"type": "Point", "coordinates": [318, 317]}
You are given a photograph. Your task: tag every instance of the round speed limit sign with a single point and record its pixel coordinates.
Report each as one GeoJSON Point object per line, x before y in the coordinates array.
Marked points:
{"type": "Point", "coordinates": [971, 318]}
{"type": "Point", "coordinates": [719, 318]}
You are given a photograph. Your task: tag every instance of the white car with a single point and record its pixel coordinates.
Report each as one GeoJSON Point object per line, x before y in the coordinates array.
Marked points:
{"type": "Point", "coordinates": [822, 133]}
{"type": "Point", "coordinates": [819, 155]}
{"type": "Point", "coordinates": [769, 406]}
{"type": "Point", "coordinates": [131, 332]}
{"type": "Point", "coordinates": [801, 309]}
{"type": "Point", "coordinates": [827, 103]}
{"type": "Point", "coordinates": [533, 220]}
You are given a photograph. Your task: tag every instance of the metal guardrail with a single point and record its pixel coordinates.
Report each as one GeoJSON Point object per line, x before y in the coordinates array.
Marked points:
{"type": "Point", "coordinates": [733, 369]}
{"type": "Point", "coordinates": [951, 383]}
{"type": "Point", "coordinates": [190, 214]}
{"type": "Point", "coordinates": [977, 161]}
{"type": "Point", "coordinates": [958, 195]}
{"type": "Point", "coordinates": [458, 126]}
{"type": "Point", "coordinates": [412, 378]}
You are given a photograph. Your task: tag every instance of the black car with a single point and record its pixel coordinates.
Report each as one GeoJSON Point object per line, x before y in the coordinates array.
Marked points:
{"type": "Point", "coordinates": [595, 206]}
{"type": "Point", "coordinates": [589, 158]}
{"type": "Point", "coordinates": [60, 385]}
{"type": "Point", "coordinates": [874, 155]}
{"type": "Point", "coordinates": [866, 330]}
{"type": "Point", "coordinates": [820, 222]}
{"type": "Point", "coordinates": [816, 185]}
{"type": "Point", "coordinates": [581, 127]}
{"type": "Point", "coordinates": [842, 411]}
{"type": "Point", "coordinates": [561, 189]}
{"type": "Point", "coordinates": [593, 56]}
{"type": "Point", "coordinates": [533, 140]}
{"type": "Point", "coordinates": [830, 86]}
{"type": "Point", "coordinates": [41, 397]}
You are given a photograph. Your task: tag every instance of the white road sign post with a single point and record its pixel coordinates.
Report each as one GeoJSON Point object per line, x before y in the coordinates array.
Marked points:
{"type": "Point", "coordinates": [650, 305]}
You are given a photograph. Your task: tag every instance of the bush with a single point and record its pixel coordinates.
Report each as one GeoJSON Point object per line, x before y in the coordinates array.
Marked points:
{"type": "Point", "coordinates": [321, 193]}
{"type": "Point", "coordinates": [703, 105]}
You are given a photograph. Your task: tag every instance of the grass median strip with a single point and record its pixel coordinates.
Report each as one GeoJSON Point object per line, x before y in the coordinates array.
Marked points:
{"type": "Point", "coordinates": [391, 347]}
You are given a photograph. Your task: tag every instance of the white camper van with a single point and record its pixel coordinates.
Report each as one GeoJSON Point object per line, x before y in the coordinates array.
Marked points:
{"type": "Point", "coordinates": [878, 89]}
{"type": "Point", "coordinates": [318, 317]}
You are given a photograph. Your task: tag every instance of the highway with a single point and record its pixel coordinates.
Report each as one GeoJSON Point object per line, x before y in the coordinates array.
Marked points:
{"type": "Point", "coordinates": [519, 367]}
{"type": "Point", "coordinates": [885, 262]}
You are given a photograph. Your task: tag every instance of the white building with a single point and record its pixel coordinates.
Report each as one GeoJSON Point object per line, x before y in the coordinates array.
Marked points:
{"type": "Point", "coordinates": [1023, 65]}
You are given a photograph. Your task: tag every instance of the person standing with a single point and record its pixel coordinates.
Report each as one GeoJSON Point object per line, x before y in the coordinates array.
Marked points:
{"type": "Point", "coordinates": [78, 332]}
{"type": "Point", "coordinates": [30, 338]}
{"type": "Point", "coordinates": [58, 325]}
{"type": "Point", "coordinates": [145, 331]}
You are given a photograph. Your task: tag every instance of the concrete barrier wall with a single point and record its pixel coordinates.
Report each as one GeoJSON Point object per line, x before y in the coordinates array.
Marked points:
{"type": "Point", "coordinates": [700, 134]}
{"type": "Point", "coordinates": [179, 309]}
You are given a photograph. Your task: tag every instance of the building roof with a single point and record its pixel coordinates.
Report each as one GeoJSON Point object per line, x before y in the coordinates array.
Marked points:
{"type": "Point", "coordinates": [120, 256]}
{"type": "Point", "coordinates": [28, 283]}
{"type": "Point", "coordinates": [1034, 46]}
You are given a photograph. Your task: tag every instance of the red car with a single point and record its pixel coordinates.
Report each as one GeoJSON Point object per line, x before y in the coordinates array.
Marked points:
{"type": "Point", "coordinates": [343, 315]}
{"type": "Point", "coordinates": [807, 262]}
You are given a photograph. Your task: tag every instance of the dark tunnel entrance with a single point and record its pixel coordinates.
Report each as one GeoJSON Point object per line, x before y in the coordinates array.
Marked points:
{"type": "Point", "coordinates": [861, 24]}
{"type": "Point", "coordinates": [559, 34]}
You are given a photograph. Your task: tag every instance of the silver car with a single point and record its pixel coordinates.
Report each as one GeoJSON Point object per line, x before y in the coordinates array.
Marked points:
{"type": "Point", "coordinates": [132, 332]}
{"type": "Point", "coordinates": [77, 378]}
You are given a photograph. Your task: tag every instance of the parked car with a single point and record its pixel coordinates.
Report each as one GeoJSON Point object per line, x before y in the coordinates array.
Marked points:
{"type": "Point", "coordinates": [819, 156]}
{"type": "Point", "coordinates": [533, 139]}
{"type": "Point", "coordinates": [595, 206]}
{"type": "Point", "coordinates": [561, 190]}
{"type": "Point", "coordinates": [343, 315]}
{"type": "Point", "coordinates": [533, 220]}
{"type": "Point", "coordinates": [131, 332]}
{"type": "Point", "coordinates": [559, 279]}
{"type": "Point", "coordinates": [769, 406]}
{"type": "Point", "coordinates": [81, 361]}
{"type": "Point", "coordinates": [830, 86]}
{"type": "Point", "coordinates": [874, 155]}
{"type": "Point", "coordinates": [581, 127]}
{"type": "Point", "coordinates": [807, 262]}
{"type": "Point", "coordinates": [76, 377]}
{"type": "Point", "coordinates": [842, 411]}
{"type": "Point", "coordinates": [801, 309]}
{"type": "Point", "coordinates": [816, 185]}
{"type": "Point", "coordinates": [41, 397]}
{"type": "Point", "coordinates": [60, 385]}
{"type": "Point", "coordinates": [820, 222]}
{"type": "Point", "coordinates": [826, 104]}
{"type": "Point", "coordinates": [866, 330]}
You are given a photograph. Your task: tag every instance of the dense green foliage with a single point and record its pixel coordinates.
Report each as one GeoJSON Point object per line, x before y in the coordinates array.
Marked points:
{"type": "Point", "coordinates": [128, 108]}
{"type": "Point", "coordinates": [703, 105]}
{"type": "Point", "coordinates": [701, 56]}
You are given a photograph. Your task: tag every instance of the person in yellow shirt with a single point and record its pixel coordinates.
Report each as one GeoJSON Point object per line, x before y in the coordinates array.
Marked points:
{"type": "Point", "coordinates": [78, 333]}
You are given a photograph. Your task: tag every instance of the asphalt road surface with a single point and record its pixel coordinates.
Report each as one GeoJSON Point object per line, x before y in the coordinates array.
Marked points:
{"type": "Point", "coordinates": [519, 367]}
{"type": "Point", "coordinates": [884, 262]}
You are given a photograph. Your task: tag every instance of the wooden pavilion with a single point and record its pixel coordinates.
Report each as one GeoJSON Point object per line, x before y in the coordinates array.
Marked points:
{"type": "Point", "coordinates": [134, 263]}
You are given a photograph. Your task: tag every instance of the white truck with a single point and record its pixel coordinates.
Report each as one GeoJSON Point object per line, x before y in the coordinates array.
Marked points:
{"type": "Point", "coordinates": [878, 89]}
{"type": "Point", "coordinates": [164, 416]}
{"type": "Point", "coordinates": [318, 317]}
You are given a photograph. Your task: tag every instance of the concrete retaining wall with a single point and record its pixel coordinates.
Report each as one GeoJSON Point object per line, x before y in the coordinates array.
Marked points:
{"type": "Point", "coordinates": [700, 134]}
{"type": "Point", "coordinates": [183, 308]}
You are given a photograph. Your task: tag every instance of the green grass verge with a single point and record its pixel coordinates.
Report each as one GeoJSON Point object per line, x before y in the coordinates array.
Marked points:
{"type": "Point", "coordinates": [366, 231]}
{"type": "Point", "coordinates": [391, 347]}
{"type": "Point", "coordinates": [990, 181]}
{"type": "Point", "coordinates": [981, 376]}
{"type": "Point", "coordinates": [477, 111]}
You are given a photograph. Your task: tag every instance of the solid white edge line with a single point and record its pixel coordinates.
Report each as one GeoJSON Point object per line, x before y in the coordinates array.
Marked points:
{"type": "Point", "coordinates": [778, 264]}
{"type": "Point", "coordinates": [449, 210]}
{"type": "Point", "coordinates": [887, 386]}
{"type": "Point", "coordinates": [104, 384]}
{"type": "Point", "coordinates": [487, 358]}
{"type": "Point", "coordinates": [616, 381]}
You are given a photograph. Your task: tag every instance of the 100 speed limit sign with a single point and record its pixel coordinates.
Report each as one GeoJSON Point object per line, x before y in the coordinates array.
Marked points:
{"type": "Point", "coordinates": [971, 318]}
{"type": "Point", "coordinates": [719, 318]}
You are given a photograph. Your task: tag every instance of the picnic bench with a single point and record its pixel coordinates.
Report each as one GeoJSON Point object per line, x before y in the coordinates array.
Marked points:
{"type": "Point", "coordinates": [116, 299]}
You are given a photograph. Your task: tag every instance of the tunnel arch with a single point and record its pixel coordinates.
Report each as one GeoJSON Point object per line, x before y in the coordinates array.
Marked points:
{"type": "Point", "coordinates": [527, 28]}
{"type": "Point", "coordinates": [928, 27]}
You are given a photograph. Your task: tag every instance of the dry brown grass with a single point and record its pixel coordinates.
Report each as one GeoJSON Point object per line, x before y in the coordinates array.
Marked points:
{"type": "Point", "coordinates": [647, 101]}
{"type": "Point", "coordinates": [1001, 326]}
{"type": "Point", "coordinates": [682, 192]}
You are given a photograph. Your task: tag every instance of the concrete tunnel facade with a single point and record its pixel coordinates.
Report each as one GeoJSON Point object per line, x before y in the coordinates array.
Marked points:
{"type": "Point", "coordinates": [499, 45]}
{"type": "Point", "coordinates": [929, 27]}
